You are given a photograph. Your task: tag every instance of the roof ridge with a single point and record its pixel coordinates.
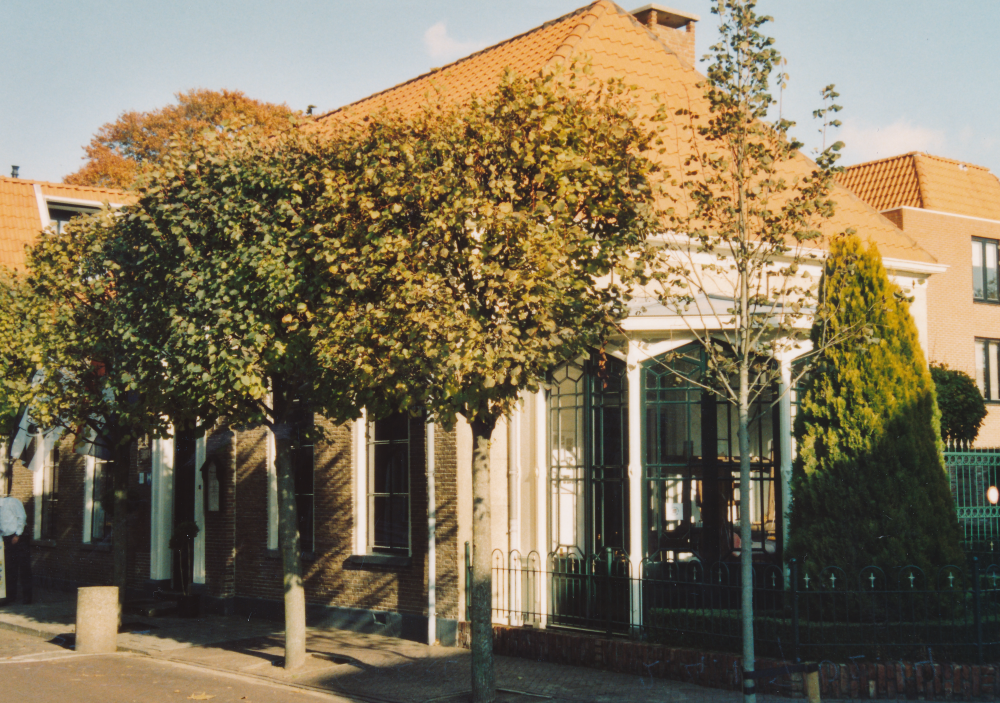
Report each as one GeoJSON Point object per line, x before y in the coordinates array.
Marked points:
{"type": "Point", "coordinates": [443, 69]}
{"type": "Point", "coordinates": [573, 38]}
{"type": "Point", "coordinates": [951, 161]}
{"type": "Point", "coordinates": [32, 181]}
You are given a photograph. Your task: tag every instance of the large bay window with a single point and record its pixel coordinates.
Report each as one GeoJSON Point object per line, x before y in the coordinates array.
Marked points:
{"type": "Point", "coordinates": [588, 449]}
{"type": "Point", "coordinates": [691, 461]}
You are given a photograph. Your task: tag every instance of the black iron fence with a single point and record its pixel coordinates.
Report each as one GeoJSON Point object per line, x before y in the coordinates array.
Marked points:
{"type": "Point", "coordinates": [805, 613]}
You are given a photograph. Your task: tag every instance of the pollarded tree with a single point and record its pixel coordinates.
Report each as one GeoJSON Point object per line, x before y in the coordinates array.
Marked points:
{"type": "Point", "coordinates": [72, 327]}
{"type": "Point", "coordinates": [869, 482]}
{"type": "Point", "coordinates": [225, 253]}
{"type": "Point", "coordinates": [519, 224]}
{"type": "Point", "coordinates": [961, 402]}
{"type": "Point", "coordinates": [16, 365]}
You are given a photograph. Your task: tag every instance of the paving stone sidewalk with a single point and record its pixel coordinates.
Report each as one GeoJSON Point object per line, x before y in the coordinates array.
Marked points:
{"type": "Point", "coordinates": [366, 667]}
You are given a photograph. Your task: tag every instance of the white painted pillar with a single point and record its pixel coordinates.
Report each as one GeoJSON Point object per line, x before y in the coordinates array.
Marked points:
{"type": "Point", "coordinates": [88, 497]}
{"type": "Point", "coordinates": [198, 570]}
{"type": "Point", "coordinates": [542, 505]}
{"type": "Point", "coordinates": [272, 491]}
{"type": "Point", "coordinates": [161, 519]}
{"type": "Point", "coordinates": [636, 507]}
{"type": "Point", "coordinates": [37, 468]}
{"type": "Point", "coordinates": [431, 540]}
{"type": "Point", "coordinates": [360, 484]}
{"type": "Point", "coordinates": [515, 573]}
{"type": "Point", "coordinates": [785, 437]}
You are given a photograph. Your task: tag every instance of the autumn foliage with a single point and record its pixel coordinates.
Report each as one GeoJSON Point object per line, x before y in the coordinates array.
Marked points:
{"type": "Point", "coordinates": [122, 149]}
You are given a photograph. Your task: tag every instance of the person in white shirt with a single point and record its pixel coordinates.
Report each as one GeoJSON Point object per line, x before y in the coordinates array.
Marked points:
{"type": "Point", "coordinates": [17, 550]}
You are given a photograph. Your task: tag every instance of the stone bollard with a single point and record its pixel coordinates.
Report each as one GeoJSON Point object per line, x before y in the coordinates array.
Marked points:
{"type": "Point", "coordinates": [97, 619]}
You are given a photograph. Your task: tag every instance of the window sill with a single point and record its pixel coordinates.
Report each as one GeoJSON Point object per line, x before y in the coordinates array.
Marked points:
{"type": "Point", "coordinates": [305, 556]}
{"type": "Point", "coordinates": [96, 547]}
{"type": "Point", "coordinates": [48, 543]}
{"type": "Point", "coordinates": [362, 561]}
{"type": "Point", "coordinates": [984, 301]}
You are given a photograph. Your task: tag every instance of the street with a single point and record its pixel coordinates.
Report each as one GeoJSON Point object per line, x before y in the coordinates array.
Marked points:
{"type": "Point", "coordinates": [41, 671]}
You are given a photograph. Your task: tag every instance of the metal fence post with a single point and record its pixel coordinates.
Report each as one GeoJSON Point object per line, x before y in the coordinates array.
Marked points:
{"type": "Point", "coordinates": [608, 600]}
{"type": "Point", "coordinates": [795, 609]}
{"type": "Point", "coordinates": [468, 581]}
{"type": "Point", "coordinates": [977, 609]}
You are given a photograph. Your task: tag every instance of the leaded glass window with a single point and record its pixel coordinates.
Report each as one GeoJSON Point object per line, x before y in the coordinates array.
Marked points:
{"type": "Point", "coordinates": [588, 448]}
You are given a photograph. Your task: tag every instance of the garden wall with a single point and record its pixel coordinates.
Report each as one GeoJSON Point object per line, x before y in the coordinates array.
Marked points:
{"type": "Point", "coordinates": [871, 680]}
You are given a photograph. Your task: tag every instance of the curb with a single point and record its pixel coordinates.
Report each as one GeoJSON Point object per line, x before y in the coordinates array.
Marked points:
{"type": "Point", "coordinates": [25, 630]}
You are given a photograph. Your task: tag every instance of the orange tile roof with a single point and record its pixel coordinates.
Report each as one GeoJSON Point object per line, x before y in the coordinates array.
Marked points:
{"type": "Point", "coordinates": [617, 46]}
{"type": "Point", "coordinates": [20, 220]}
{"type": "Point", "coordinates": [925, 181]}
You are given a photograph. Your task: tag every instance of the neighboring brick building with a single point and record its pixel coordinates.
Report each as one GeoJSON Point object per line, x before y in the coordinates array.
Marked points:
{"type": "Point", "coordinates": [362, 489]}
{"type": "Point", "coordinates": [951, 209]}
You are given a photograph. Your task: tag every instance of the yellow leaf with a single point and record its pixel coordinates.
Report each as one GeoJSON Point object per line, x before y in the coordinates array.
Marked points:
{"type": "Point", "coordinates": [200, 697]}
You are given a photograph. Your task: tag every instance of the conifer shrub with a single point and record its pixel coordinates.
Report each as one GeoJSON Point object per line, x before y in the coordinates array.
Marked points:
{"type": "Point", "coordinates": [962, 406]}
{"type": "Point", "coordinates": [869, 484]}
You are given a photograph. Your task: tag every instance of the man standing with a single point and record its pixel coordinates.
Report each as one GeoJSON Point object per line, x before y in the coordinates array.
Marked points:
{"type": "Point", "coordinates": [17, 554]}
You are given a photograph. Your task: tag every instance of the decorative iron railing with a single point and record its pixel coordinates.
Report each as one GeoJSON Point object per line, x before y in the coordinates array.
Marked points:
{"type": "Point", "coordinates": [972, 473]}
{"type": "Point", "coordinates": [799, 612]}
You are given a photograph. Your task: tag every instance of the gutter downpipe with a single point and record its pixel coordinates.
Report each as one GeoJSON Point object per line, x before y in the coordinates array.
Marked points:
{"type": "Point", "coordinates": [431, 541]}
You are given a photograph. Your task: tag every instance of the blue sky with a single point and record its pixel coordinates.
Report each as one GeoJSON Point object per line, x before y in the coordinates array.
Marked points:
{"type": "Point", "coordinates": [913, 75]}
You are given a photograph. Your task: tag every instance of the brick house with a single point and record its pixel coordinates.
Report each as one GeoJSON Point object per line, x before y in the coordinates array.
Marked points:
{"type": "Point", "coordinates": [375, 555]}
{"type": "Point", "coordinates": [949, 207]}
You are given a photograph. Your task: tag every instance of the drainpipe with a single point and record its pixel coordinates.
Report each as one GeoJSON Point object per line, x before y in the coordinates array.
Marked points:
{"type": "Point", "coordinates": [431, 541]}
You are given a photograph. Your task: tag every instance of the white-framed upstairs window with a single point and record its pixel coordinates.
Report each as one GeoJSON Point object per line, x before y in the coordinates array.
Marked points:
{"type": "Point", "coordinates": [61, 213]}
{"type": "Point", "coordinates": [985, 283]}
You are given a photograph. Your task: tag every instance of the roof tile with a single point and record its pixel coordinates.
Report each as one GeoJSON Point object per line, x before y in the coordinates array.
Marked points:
{"type": "Point", "coordinates": [924, 181]}
{"type": "Point", "coordinates": [20, 220]}
{"type": "Point", "coordinates": [617, 46]}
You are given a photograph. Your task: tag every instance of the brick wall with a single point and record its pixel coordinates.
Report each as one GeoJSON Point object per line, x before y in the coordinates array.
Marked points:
{"type": "Point", "coordinates": [237, 560]}
{"type": "Point", "coordinates": [220, 526]}
{"type": "Point", "coordinates": [862, 680]}
{"type": "Point", "coordinates": [329, 579]}
{"type": "Point", "coordinates": [953, 319]}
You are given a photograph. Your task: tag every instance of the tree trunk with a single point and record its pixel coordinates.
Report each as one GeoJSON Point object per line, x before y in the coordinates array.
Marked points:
{"type": "Point", "coordinates": [288, 531]}
{"type": "Point", "coordinates": [122, 456]}
{"type": "Point", "coordinates": [484, 686]}
{"type": "Point", "coordinates": [746, 538]}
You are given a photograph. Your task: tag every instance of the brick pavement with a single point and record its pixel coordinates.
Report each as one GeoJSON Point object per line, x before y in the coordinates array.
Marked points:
{"type": "Point", "coordinates": [366, 667]}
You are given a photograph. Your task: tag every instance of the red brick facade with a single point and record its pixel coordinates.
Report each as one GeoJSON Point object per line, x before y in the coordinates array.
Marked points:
{"type": "Point", "coordinates": [241, 573]}
{"type": "Point", "coordinates": [954, 321]}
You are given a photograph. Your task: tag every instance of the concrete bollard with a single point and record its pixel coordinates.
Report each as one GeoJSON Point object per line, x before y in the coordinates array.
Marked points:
{"type": "Point", "coordinates": [97, 619]}
{"type": "Point", "coordinates": [812, 687]}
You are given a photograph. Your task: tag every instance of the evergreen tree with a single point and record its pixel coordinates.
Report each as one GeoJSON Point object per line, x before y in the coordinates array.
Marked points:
{"type": "Point", "coordinates": [962, 406]}
{"type": "Point", "coordinates": [869, 484]}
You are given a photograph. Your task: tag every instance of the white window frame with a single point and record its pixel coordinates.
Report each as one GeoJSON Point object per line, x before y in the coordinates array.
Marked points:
{"type": "Point", "coordinates": [368, 429]}
{"type": "Point", "coordinates": [47, 441]}
{"type": "Point", "coordinates": [90, 467]}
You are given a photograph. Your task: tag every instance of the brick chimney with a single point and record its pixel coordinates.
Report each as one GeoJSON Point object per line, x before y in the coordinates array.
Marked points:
{"type": "Point", "coordinates": [674, 27]}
